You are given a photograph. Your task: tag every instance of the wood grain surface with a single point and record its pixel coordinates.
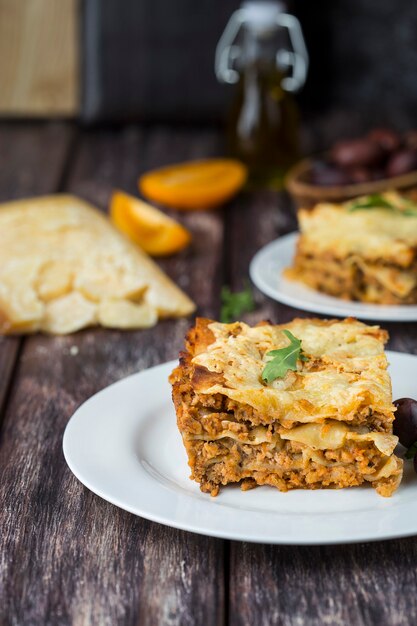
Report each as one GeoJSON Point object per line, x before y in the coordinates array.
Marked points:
{"type": "Point", "coordinates": [348, 584]}
{"type": "Point", "coordinates": [32, 160]}
{"type": "Point", "coordinates": [69, 558]}
{"type": "Point", "coordinates": [85, 561]}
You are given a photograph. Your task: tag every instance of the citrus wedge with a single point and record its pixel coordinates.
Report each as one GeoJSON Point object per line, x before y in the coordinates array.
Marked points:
{"type": "Point", "coordinates": [156, 233]}
{"type": "Point", "coordinates": [194, 185]}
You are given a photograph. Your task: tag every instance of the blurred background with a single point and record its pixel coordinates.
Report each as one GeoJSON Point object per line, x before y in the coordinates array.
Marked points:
{"type": "Point", "coordinates": [111, 61]}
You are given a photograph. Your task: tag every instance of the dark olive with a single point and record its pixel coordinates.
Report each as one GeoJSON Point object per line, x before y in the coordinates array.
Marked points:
{"type": "Point", "coordinates": [377, 174]}
{"type": "Point", "coordinates": [356, 153]}
{"type": "Point", "coordinates": [401, 162]}
{"type": "Point", "coordinates": [405, 422]}
{"type": "Point", "coordinates": [328, 175]}
{"type": "Point", "coordinates": [415, 463]}
{"type": "Point", "coordinates": [360, 174]}
{"type": "Point", "coordinates": [410, 139]}
{"type": "Point", "coordinates": [386, 138]}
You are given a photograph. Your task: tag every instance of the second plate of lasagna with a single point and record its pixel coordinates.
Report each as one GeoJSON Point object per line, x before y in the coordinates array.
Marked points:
{"type": "Point", "coordinates": [355, 259]}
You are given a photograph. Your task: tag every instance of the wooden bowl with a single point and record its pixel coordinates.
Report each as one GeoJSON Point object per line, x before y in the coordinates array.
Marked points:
{"type": "Point", "coordinates": [306, 194]}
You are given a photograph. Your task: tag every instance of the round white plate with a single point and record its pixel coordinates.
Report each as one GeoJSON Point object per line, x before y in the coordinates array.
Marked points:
{"type": "Point", "coordinates": [124, 445]}
{"type": "Point", "coordinates": [266, 272]}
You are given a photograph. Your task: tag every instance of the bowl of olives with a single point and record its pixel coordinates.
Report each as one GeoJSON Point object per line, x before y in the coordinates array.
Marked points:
{"type": "Point", "coordinates": [381, 160]}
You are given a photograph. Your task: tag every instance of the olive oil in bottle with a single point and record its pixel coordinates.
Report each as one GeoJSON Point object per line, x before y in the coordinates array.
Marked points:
{"type": "Point", "coordinates": [259, 47]}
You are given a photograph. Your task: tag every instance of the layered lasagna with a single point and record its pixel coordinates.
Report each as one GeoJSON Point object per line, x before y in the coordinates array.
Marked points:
{"type": "Point", "coordinates": [362, 250]}
{"type": "Point", "coordinates": [326, 423]}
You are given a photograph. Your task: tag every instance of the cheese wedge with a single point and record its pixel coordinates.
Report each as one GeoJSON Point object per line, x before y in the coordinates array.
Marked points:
{"type": "Point", "coordinates": [63, 267]}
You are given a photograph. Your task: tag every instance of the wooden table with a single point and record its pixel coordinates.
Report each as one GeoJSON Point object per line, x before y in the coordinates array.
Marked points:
{"type": "Point", "coordinates": [68, 557]}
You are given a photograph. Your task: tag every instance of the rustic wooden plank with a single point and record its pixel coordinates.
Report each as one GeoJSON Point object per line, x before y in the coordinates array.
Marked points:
{"type": "Point", "coordinates": [84, 560]}
{"type": "Point", "coordinates": [253, 220]}
{"type": "Point", "coordinates": [403, 336]}
{"type": "Point", "coordinates": [32, 156]}
{"type": "Point", "coordinates": [39, 57]}
{"type": "Point", "coordinates": [31, 162]}
{"type": "Point", "coordinates": [9, 347]}
{"type": "Point", "coordinates": [359, 584]}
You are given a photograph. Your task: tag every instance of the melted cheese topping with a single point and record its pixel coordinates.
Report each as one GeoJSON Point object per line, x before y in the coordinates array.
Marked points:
{"type": "Point", "coordinates": [352, 374]}
{"type": "Point", "coordinates": [388, 468]}
{"type": "Point", "coordinates": [373, 234]}
{"type": "Point", "coordinates": [255, 436]}
{"type": "Point", "coordinates": [333, 435]}
{"type": "Point", "coordinates": [329, 436]}
{"type": "Point", "coordinates": [398, 282]}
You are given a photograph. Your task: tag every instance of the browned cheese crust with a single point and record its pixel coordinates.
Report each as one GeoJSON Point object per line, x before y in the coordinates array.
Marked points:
{"type": "Point", "coordinates": [231, 441]}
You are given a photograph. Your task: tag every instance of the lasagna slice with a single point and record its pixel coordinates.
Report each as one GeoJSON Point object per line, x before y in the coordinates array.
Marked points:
{"type": "Point", "coordinates": [326, 423]}
{"type": "Point", "coordinates": [360, 250]}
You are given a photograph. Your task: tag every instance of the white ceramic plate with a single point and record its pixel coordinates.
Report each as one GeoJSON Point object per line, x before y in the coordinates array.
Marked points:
{"type": "Point", "coordinates": [266, 272]}
{"type": "Point", "coordinates": [123, 444]}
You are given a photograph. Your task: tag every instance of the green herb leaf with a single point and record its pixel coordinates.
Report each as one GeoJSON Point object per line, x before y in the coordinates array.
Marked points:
{"type": "Point", "coordinates": [234, 304]}
{"type": "Point", "coordinates": [410, 212]}
{"type": "Point", "coordinates": [376, 201]}
{"type": "Point", "coordinates": [284, 359]}
{"type": "Point", "coordinates": [412, 451]}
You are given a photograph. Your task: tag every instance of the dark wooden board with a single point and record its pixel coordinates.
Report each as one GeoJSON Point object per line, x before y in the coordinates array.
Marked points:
{"type": "Point", "coordinates": [9, 347]}
{"type": "Point", "coordinates": [68, 557]}
{"type": "Point", "coordinates": [84, 560]}
{"type": "Point", "coordinates": [359, 584]}
{"type": "Point", "coordinates": [32, 159]}
{"type": "Point", "coordinates": [255, 219]}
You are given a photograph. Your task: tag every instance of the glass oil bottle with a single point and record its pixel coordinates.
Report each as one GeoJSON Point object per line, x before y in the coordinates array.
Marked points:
{"type": "Point", "coordinates": [262, 51]}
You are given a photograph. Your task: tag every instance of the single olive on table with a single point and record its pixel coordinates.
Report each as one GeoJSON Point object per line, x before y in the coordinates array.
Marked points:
{"type": "Point", "coordinates": [405, 426]}
{"type": "Point", "coordinates": [382, 153]}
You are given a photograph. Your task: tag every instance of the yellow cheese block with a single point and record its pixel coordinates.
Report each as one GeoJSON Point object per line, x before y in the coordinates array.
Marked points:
{"type": "Point", "coordinates": [63, 267]}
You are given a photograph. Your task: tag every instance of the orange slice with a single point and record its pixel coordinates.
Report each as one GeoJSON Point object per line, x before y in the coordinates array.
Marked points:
{"type": "Point", "coordinates": [194, 185]}
{"type": "Point", "coordinates": [156, 233]}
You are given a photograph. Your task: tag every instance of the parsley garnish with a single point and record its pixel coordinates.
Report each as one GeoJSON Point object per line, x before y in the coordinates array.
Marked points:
{"type": "Point", "coordinates": [234, 304]}
{"type": "Point", "coordinates": [412, 451]}
{"type": "Point", "coordinates": [284, 359]}
{"type": "Point", "coordinates": [376, 201]}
